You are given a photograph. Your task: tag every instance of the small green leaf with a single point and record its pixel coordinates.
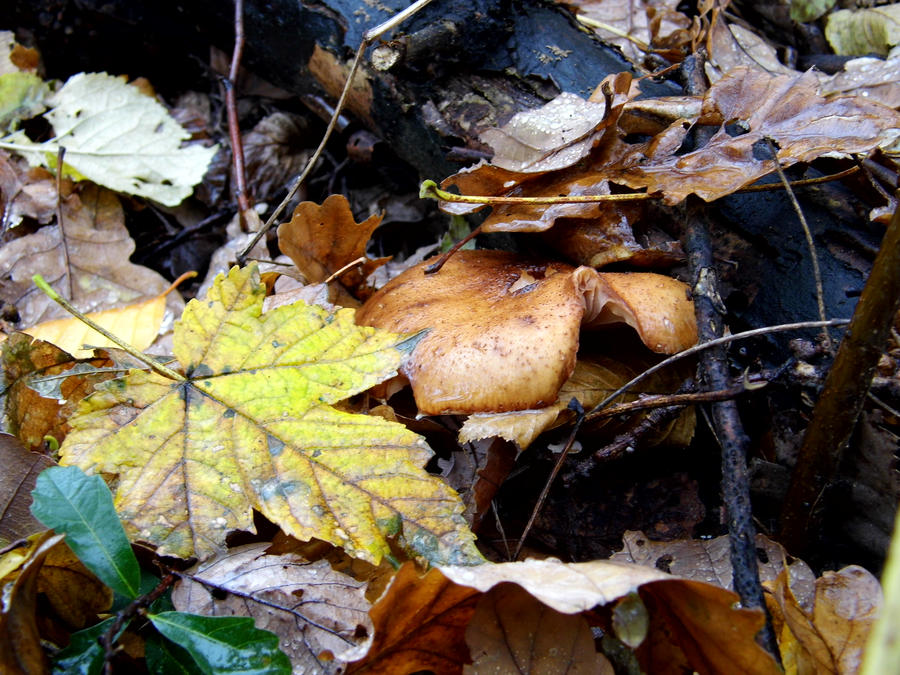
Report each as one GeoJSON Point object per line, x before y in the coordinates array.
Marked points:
{"type": "Point", "coordinates": [224, 644]}
{"type": "Point", "coordinates": [83, 655]}
{"type": "Point", "coordinates": [804, 11]}
{"type": "Point", "coordinates": [166, 657]}
{"type": "Point", "coordinates": [81, 506]}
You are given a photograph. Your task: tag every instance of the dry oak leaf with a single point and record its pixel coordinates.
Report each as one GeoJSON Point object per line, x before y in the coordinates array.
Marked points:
{"type": "Point", "coordinates": [511, 632]}
{"type": "Point", "coordinates": [504, 331]}
{"type": "Point", "coordinates": [252, 426]}
{"type": "Point", "coordinates": [420, 624]}
{"type": "Point", "coordinates": [321, 616]}
{"type": "Point", "coordinates": [828, 633]}
{"type": "Point", "coordinates": [321, 240]}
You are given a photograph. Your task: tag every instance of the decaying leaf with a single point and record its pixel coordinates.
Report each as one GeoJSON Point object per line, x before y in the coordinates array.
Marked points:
{"type": "Point", "coordinates": [827, 632]}
{"type": "Point", "coordinates": [731, 45]}
{"type": "Point", "coordinates": [86, 261]}
{"type": "Point", "coordinates": [864, 31]}
{"type": "Point", "coordinates": [696, 623]}
{"type": "Point", "coordinates": [252, 426]}
{"type": "Point", "coordinates": [321, 240]}
{"type": "Point", "coordinates": [876, 79]}
{"type": "Point", "coordinates": [709, 560]}
{"type": "Point", "coordinates": [118, 137]}
{"type": "Point", "coordinates": [20, 643]}
{"type": "Point", "coordinates": [320, 616]}
{"type": "Point", "coordinates": [25, 193]}
{"type": "Point", "coordinates": [511, 632]}
{"type": "Point", "coordinates": [43, 386]}
{"type": "Point", "coordinates": [503, 331]}
{"type": "Point", "coordinates": [74, 596]}
{"type": "Point", "coordinates": [20, 469]}
{"type": "Point", "coordinates": [419, 625]}
{"type": "Point", "coordinates": [274, 152]}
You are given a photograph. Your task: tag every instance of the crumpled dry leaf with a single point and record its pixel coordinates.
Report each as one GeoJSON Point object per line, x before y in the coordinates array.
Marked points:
{"type": "Point", "coordinates": [25, 193]}
{"type": "Point", "coordinates": [875, 79]}
{"type": "Point", "coordinates": [731, 46]}
{"type": "Point", "coordinates": [512, 632]}
{"type": "Point", "coordinates": [828, 633]}
{"type": "Point", "coordinates": [321, 240]}
{"type": "Point", "coordinates": [786, 109]}
{"type": "Point", "coordinates": [20, 643]}
{"type": "Point", "coordinates": [274, 152]}
{"type": "Point", "coordinates": [709, 560]}
{"type": "Point", "coordinates": [20, 470]}
{"type": "Point", "coordinates": [320, 616]}
{"type": "Point", "coordinates": [691, 622]}
{"type": "Point", "coordinates": [864, 31]}
{"type": "Point", "coordinates": [419, 625]}
{"type": "Point", "coordinates": [88, 265]}
{"type": "Point", "coordinates": [504, 330]}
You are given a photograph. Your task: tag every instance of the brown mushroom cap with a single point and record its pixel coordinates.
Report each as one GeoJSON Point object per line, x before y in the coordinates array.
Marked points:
{"type": "Point", "coordinates": [503, 330]}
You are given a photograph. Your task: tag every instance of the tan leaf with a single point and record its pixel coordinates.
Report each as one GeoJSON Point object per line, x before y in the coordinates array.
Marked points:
{"type": "Point", "coordinates": [419, 625]}
{"type": "Point", "coordinates": [88, 265]}
{"type": "Point", "coordinates": [511, 632]}
{"type": "Point", "coordinates": [732, 45]}
{"type": "Point", "coordinates": [320, 616]}
{"type": "Point", "coordinates": [830, 635]}
{"type": "Point", "coordinates": [875, 79]}
{"type": "Point", "coordinates": [504, 330]}
{"type": "Point", "coordinates": [24, 192]}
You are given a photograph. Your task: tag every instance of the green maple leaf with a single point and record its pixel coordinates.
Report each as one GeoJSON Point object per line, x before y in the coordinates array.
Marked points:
{"type": "Point", "coordinates": [251, 426]}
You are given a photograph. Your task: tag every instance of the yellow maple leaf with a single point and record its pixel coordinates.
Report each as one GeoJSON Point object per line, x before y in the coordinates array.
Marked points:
{"type": "Point", "coordinates": [251, 425]}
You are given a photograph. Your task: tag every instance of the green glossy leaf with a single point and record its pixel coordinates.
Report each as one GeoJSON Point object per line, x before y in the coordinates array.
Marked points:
{"type": "Point", "coordinates": [81, 506]}
{"type": "Point", "coordinates": [164, 656]}
{"type": "Point", "coordinates": [224, 644]}
{"type": "Point", "coordinates": [84, 655]}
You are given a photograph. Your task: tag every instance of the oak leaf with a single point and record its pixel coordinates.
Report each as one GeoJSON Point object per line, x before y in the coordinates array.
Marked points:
{"type": "Point", "coordinates": [252, 425]}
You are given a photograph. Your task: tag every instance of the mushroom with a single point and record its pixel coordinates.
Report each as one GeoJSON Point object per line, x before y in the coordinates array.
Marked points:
{"type": "Point", "coordinates": [504, 330]}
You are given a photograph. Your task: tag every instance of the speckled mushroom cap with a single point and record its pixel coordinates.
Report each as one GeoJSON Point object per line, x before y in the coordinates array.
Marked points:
{"type": "Point", "coordinates": [503, 331]}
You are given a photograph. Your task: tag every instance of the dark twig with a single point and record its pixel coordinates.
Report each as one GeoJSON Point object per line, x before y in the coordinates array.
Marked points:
{"type": "Point", "coordinates": [714, 371]}
{"type": "Point", "coordinates": [575, 407]}
{"type": "Point", "coordinates": [844, 392]}
{"type": "Point", "coordinates": [234, 129]}
{"type": "Point", "coordinates": [108, 639]}
{"type": "Point", "coordinates": [60, 155]}
{"type": "Point", "coordinates": [436, 266]}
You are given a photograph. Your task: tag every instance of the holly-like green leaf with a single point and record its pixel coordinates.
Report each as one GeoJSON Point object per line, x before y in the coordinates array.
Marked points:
{"type": "Point", "coordinates": [252, 426]}
{"type": "Point", "coordinates": [84, 653]}
{"type": "Point", "coordinates": [224, 644]}
{"type": "Point", "coordinates": [81, 507]}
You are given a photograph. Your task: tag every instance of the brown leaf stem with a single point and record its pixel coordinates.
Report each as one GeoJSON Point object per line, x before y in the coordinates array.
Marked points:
{"type": "Point", "coordinates": [844, 393]}
{"type": "Point", "coordinates": [234, 129]}
{"type": "Point", "coordinates": [729, 430]}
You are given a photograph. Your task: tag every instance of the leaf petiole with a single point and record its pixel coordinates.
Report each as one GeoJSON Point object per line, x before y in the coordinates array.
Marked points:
{"type": "Point", "coordinates": [430, 190]}
{"type": "Point", "coordinates": [41, 283]}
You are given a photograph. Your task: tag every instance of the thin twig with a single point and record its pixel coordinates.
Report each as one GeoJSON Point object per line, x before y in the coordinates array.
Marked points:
{"type": "Point", "coordinates": [108, 639]}
{"type": "Point", "coordinates": [810, 244]}
{"type": "Point", "coordinates": [574, 406]}
{"type": "Point", "coordinates": [234, 129]}
{"type": "Point", "coordinates": [368, 37]}
{"type": "Point", "coordinates": [844, 392]}
{"type": "Point", "coordinates": [436, 266]}
{"type": "Point", "coordinates": [60, 154]}
{"type": "Point", "coordinates": [780, 328]}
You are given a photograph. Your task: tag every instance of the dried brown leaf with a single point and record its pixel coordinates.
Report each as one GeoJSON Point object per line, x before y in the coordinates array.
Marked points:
{"type": "Point", "coordinates": [321, 240]}
{"type": "Point", "coordinates": [88, 265]}
{"type": "Point", "coordinates": [511, 632]}
{"type": "Point", "coordinates": [274, 152]}
{"type": "Point", "coordinates": [320, 615]}
{"type": "Point", "coordinates": [20, 470]}
{"type": "Point", "coordinates": [74, 596]}
{"type": "Point", "coordinates": [875, 79]}
{"type": "Point", "coordinates": [420, 624]}
{"type": "Point", "coordinates": [830, 635]}
{"type": "Point", "coordinates": [732, 45]}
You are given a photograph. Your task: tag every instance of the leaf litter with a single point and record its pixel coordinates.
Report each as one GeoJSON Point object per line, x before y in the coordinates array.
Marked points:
{"type": "Point", "coordinates": [555, 153]}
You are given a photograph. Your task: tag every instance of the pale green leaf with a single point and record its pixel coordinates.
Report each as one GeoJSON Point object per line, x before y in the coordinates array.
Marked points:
{"type": "Point", "coordinates": [864, 31]}
{"type": "Point", "coordinates": [118, 137]}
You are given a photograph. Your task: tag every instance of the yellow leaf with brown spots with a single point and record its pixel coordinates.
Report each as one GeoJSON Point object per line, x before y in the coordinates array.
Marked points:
{"type": "Point", "coordinates": [251, 426]}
